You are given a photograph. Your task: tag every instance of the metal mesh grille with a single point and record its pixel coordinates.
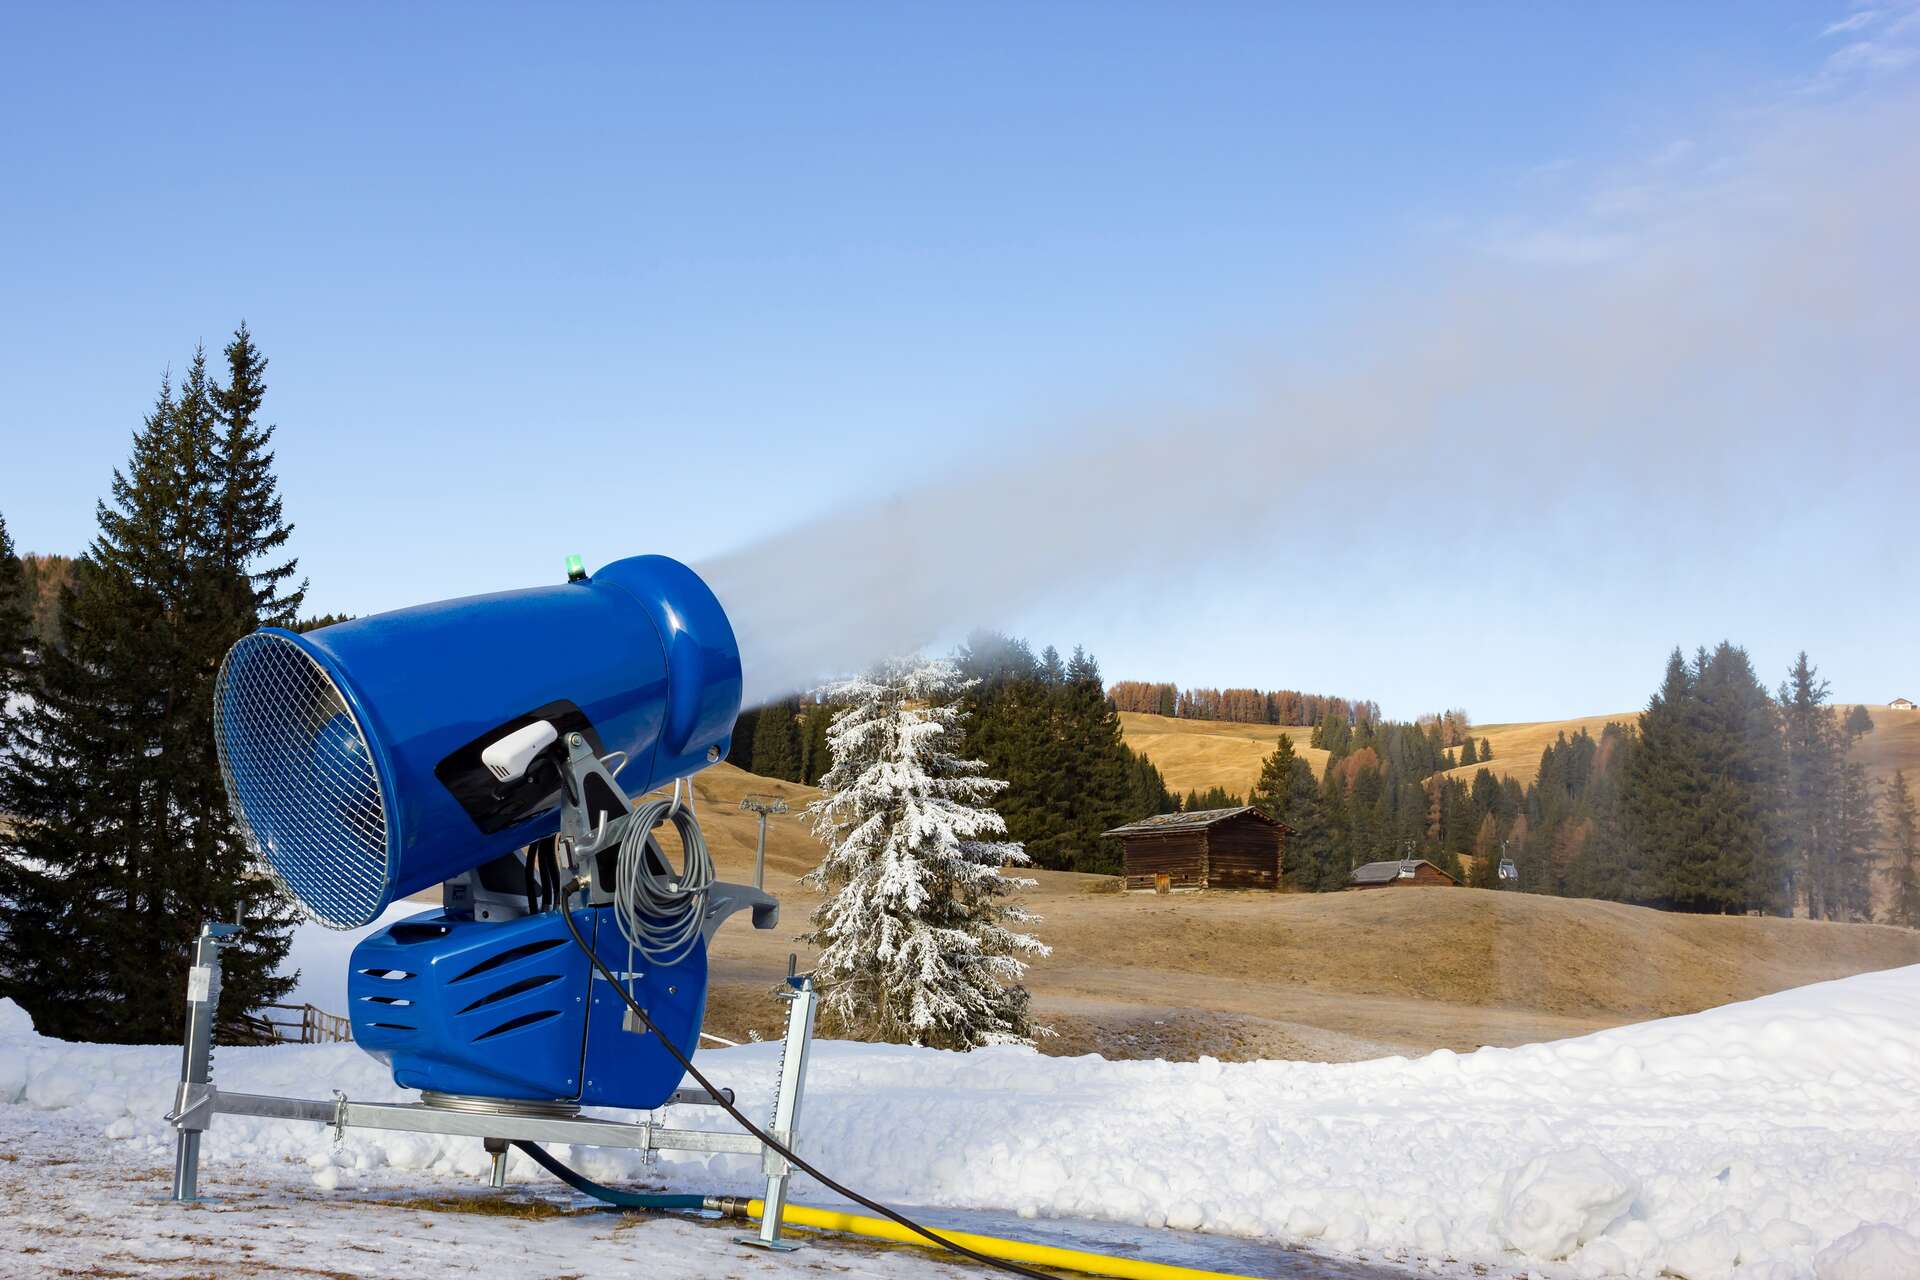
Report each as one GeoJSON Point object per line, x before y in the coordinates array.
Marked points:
{"type": "Point", "coordinates": [301, 779]}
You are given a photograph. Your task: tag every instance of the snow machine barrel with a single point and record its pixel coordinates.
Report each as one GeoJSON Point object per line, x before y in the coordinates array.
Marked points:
{"type": "Point", "coordinates": [355, 756]}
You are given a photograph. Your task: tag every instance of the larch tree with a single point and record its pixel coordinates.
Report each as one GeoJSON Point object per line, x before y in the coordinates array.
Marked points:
{"type": "Point", "coordinates": [919, 934]}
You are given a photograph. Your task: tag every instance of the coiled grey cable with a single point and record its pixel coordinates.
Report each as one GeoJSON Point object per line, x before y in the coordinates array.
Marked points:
{"type": "Point", "coordinates": [660, 914]}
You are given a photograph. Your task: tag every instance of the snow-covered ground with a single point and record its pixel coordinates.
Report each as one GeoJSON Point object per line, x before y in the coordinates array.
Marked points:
{"type": "Point", "coordinates": [1774, 1139]}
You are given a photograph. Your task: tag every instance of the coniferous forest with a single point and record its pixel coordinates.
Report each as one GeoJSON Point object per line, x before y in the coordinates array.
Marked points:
{"type": "Point", "coordinates": [1720, 797]}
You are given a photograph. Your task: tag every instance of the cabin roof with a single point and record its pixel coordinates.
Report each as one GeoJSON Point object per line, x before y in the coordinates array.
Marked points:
{"type": "Point", "coordinates": [1385, 872]}
{"type": "Point", "coordinates": [1198, 820]}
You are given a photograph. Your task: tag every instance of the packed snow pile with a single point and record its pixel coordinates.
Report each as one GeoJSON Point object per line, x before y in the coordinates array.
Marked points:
{"type": "Point", "coordinates": [1774, 1139]}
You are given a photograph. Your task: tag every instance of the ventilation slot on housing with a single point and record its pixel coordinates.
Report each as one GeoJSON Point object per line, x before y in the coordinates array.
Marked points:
{"type": "Point", "coordinates": [512, 989]}
{"type": "Point", "coordinates": [514, 1024]}
{"type": "Point", "coordinates": [392, 1026]}
{"type": "Point", "coordinates": [508, 956]}
{"type": "Point", "coordinates": [408, 934]}
{"type": "Point", "coordinates": [394, 1001]}
{"type": "Point", "coordinates": [391, 975]}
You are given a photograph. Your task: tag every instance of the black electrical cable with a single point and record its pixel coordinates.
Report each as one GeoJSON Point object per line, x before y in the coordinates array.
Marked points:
{"type": "Point", "coordinates": [620, 1199]}
{"type": "Point", "coordinates": [781, 1148]}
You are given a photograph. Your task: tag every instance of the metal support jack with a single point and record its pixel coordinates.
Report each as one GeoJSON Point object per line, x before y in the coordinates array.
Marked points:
{"type": "Point", "coordinates": [802, 1004]}
{"type": "Point", "coordinates": [198, 1101]}
{"type": "Point", "coordinates": [192, 1103]}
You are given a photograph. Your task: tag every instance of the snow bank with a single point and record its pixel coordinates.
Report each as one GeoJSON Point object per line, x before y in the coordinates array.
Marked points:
{"type": "Point", "coordinates": [1777, 1139]}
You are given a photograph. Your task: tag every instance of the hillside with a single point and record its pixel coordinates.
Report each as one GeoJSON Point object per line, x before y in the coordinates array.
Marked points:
{"type": "Point", "coordinates": [1323, 976]}
{"type": "Point", "coordinates": [1196, 754]}
{"type": "Point", "coordinates": [1193, 755]}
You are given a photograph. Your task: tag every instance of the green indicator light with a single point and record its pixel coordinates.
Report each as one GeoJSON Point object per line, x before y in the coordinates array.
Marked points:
{"type": "Point", "coordinates": [576, 569]}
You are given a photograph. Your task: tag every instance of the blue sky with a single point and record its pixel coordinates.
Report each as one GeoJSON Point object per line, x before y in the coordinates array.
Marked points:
{"type": "Point", "coordinates": [617, 279]}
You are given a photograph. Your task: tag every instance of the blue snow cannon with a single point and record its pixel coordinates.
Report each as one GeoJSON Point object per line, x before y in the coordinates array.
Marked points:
{"type": "Point", "coordinates": [444, 745]}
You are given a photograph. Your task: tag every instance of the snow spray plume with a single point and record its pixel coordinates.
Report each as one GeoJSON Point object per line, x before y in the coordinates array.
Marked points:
{"type": "Point", "coordinates": [1773, 296]}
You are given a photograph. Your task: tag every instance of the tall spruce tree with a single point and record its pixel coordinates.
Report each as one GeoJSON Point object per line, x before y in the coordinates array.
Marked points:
{"type": "Point", "coordinates": [250, 533]}
{"type": "Point", "coordinates": [16, 632]}
{"type": "Point", "coordinates": [918, 934]}
{"type": "Point", "coordinates": [122, 844]}
{"type": "Point", "coordinates": [740, 751]}
{"type": "Point", "coordinates": [776, 741]}
{"type": "Point", "coordinates": [1903, 853]}
{"type": "Point", "coordinates": [1095, 783]}
{"type": "Point", "coordinates": [1704, 788]}
{"type": "Point", "coordinates": [1829, 817]}
{"type": "Point", "coordinates": [1047, 727]}
{"type": "Point", "coordinates": [1287, 792]}
{"type": "Point", "coordinates": [1810, 789]}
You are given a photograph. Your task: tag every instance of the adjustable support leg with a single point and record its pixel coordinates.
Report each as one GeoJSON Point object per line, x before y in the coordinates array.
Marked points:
{"type": "Point", "coordinates": [193, 1103]}
{"type": "Point", "coordinates": [497, 1174]}
{"type": "Point", "coordinates": [803, 1002]}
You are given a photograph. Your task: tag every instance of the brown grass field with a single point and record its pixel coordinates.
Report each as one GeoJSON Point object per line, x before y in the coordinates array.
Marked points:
{"type": "Point", "coordinates": [1193, 755]}
{"type": "Point", "coordinates": [1196, 754]}
{"type": "Point", "coordinates": [1317, 976]}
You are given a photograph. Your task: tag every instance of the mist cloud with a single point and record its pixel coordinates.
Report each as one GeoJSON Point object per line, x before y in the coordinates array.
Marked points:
{"type": "Point", "coordinates": [1685, 349]}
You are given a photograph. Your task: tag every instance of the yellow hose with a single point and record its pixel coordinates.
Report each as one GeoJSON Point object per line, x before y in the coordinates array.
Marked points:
{"type": "Point", "coordinates": [1039, 1255]}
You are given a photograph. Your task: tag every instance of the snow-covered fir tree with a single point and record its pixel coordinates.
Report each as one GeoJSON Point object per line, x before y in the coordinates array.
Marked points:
{"type": "Point", "coordinates": [918, 934]}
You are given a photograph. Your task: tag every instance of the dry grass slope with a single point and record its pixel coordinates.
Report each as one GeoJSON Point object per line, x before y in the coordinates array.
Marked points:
{"type": "Point", "coordinates": [1196, 754]}
{"type": "Point", "coordinates": [1327, 976]}
{"type": "Point", "coordinates": [1193, 755]}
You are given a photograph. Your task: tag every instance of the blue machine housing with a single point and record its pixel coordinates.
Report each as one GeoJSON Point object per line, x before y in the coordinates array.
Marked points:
{"type": "Point", "coordinates": [352, 753]}
{"type": "Point", "coordinates": [515, 1010]}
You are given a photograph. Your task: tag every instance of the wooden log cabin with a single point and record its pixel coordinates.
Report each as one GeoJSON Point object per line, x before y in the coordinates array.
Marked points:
{"type": "Point", "coordinates": [1400, 873]}
{"type": "Point", "coordinates": [1207, 849]}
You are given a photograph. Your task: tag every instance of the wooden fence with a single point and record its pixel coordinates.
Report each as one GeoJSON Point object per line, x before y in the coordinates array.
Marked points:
{"type": "Point", "coordinates": [298, 1024]}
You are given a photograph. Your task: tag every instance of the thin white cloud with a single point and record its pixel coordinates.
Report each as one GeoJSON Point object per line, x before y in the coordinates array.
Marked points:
{"type": "Point", "coordinates": [1852, 22]}
{"type": "Point", "coordinates": [1871, 57]}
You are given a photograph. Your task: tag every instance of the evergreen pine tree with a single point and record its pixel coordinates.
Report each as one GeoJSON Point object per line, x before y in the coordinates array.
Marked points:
{"type": "Point", "coordinates": [1095, 787]}
{"type": "Point", "coordinates": [776, 741]}
{"type": "Point", "coordinates": [1010, 728]}
{"type": "Point", "coordinates": [1810, 788]}
{"type": "Point", "coordinates": [1273, 789]}
{"type": "Point", "coordinates": [16, 632]}
{"type": "Point", "coordinates": [1663, 784]}
{"type": "Point", "coordinates": [249, 531]}
{"type": "Point", "coordinates": [1903, 853]}
{"type": "Point", "coordinates": [1287, 792]}
{"type": "Point", "coordinates": [1703, 794]}
{"type": "Point", "coordinates": [740, 750]}
{"type": "Point", "coordinates": [816, 757]}
{"type": "Point", "coordinates": [1148, 790]}
{"type": "Point", "coordinates": [915, 937]}
{"type": "Point", "coordinates": [1468, 753]}
{"type": "Point", "coordinates": [1486, 751]}
{"type": "Point", "coordinates": [121, 844]}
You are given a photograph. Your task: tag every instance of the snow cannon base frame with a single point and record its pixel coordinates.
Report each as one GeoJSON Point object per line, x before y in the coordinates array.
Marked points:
{"type": "Point", "coordinates": [499, 1087]}
{"type": "Point", "coordinates": [496, 1122]}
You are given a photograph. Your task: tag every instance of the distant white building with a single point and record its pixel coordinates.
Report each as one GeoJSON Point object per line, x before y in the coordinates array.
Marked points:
{"type": "Point", "coordinates": [1901, 704]}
